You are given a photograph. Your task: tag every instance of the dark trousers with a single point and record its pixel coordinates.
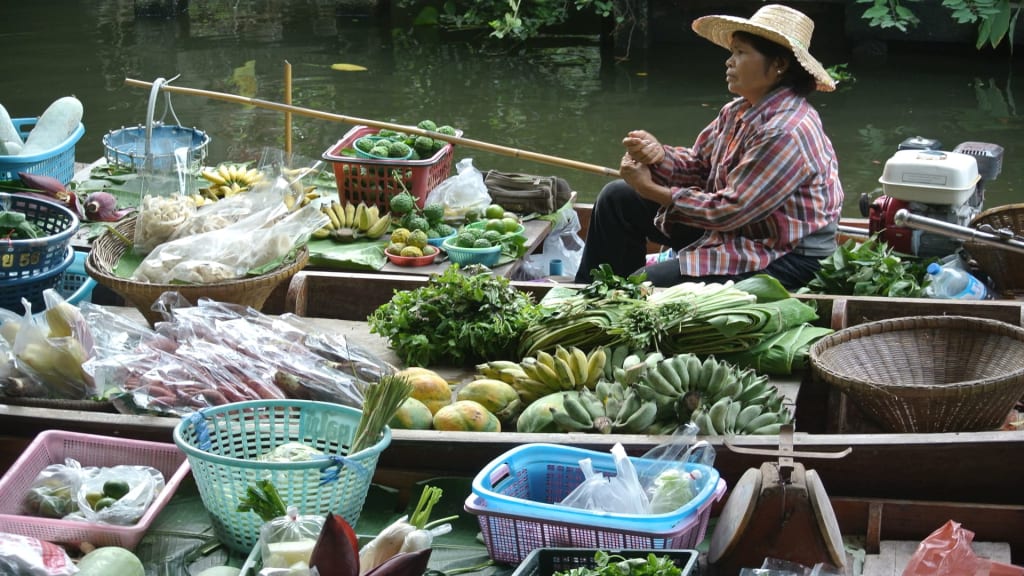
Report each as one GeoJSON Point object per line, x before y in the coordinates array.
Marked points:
{"type": "Point", "coordinates": [621, 224]}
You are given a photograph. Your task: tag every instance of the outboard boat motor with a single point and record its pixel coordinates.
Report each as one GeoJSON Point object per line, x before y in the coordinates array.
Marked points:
{"type": "Point", "coordinates": [947, 186]}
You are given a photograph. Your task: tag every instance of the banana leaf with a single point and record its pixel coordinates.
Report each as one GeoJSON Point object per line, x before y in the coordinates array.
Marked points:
{"type": "Point", "coordinates": [782, 353]}
{"type": "Point", "coordinates": [766, 288]}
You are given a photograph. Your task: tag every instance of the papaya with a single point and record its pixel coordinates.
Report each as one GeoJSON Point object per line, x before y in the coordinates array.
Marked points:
{"type": "Point", "coordinates": [498, 397]}
{"type": "Point", "coordinates": [428, 387]}
{"type": "Point", "coordinates": [466, 416]}
{"type": "Point", "coordinates": [412, 415]}
{"type": "Point", "coordinates": [537, 416]}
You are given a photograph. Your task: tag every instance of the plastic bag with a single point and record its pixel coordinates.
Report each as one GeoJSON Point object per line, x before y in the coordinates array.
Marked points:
{"type": "Point", "coordinates": [289, 540]}
{"type": "Point", "coordinates": [53, 493]}
{"type": "Point", "coordinates": [124, 507]}
{"type": "Point", "coordinates": [667, 482]}
{"type": "Point", "coordinates": [947, 552]}
{"type": "Point", "coordinates": [52, 349]}
{"type": "Point", "coordinates": [249, 245]}
{"type": "Point", "coordinates": [563, 244]}
{"type": "Point", "coordinates": [619, 494]}
{"type": "Point", "coordinates": [27, 556]}
{"type": "Point", "coordinates": [461, 193]}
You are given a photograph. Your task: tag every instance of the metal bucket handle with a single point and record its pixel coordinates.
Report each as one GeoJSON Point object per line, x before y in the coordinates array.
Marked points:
{"type": "Point", "coordinates": [151, 108]}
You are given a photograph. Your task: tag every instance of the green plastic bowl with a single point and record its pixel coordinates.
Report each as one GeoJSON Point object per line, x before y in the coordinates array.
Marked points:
{"type": "Point", "coordinates": [369, 156]}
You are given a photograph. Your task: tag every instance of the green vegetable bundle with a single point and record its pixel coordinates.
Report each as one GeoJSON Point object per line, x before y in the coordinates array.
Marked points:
{"type": "Point", "coordinates": [458, 318]}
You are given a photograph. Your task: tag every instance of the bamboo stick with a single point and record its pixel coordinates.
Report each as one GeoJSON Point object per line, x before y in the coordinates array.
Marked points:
{"type": "Point", "coordinates": [288, 115]}
{"type": "Point", "coordinates": [467, 142]}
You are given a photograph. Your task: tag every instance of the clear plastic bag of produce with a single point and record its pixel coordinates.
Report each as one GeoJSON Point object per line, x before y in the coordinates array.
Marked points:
{"type": "Point", "coordinates": [53, 493]}
{"type": "Point", "coordinates": [288, 541]}
{"type": "Point", "coordinates": [49, 350]}
{"type": "Point", "coordinates": [117, 495]}
{"type": "Point", "coordinates": [667, 483]}
{"type": "Point", "coordinates": [227, 211]}
{"type": "Point", "coordinates": [254, 244]}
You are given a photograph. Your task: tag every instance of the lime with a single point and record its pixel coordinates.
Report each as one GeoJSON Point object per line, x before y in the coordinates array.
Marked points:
{"type": "Point", "coordinates": [104, 503]}
{"type": "Point", "coordinates": [116, 488]}
{"type": "Point", "coordinates": [495, 224]}
{"type": "Point", "coordinates": [510, 225]}
{"type": "Point", "coordinates": [494, 211]}
{"type": "Point", "coordinates": [93, 497]}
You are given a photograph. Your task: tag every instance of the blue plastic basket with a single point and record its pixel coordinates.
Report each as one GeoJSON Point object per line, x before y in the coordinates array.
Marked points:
{"type": "Point", "coordinates": [31, 288]}
{"type": "Point", "coordinates": [514, 498]}
{"type": "Point", "coordinates": [26, 258]}
{"type": "Point", "coordinates": [75, 284]}
{"type": "Point", "coordinates": [57, 163]}
{"type": "Point", "coordinates": [223, 444]}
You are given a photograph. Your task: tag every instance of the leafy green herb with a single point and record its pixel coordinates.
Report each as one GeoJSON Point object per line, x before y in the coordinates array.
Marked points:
{"type": "Point", "coordinates": [263, 499]}
{"type": "Point", "coordinates": [615, 565]}
{"type": "Point", "coordinates": [868, 268]}
{"type": "Point", "coordinates": [459, 317]}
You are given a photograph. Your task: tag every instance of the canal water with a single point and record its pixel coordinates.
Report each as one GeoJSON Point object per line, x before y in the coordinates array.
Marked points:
{"type": "Point", "coordinates": [557, 97]}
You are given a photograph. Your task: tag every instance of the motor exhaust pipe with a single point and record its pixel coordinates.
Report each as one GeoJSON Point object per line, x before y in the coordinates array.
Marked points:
{"type": "Point", "coordinates": [1004, 239]}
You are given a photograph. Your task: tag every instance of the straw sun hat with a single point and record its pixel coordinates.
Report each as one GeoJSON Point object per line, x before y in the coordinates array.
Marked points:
{"type": "Point", "coordinates": [780, 24]}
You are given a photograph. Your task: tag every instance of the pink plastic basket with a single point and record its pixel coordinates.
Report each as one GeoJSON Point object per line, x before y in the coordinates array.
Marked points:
{"type": "Point", "coordinates": [515, 496]}
{"type": "Point", "coordinates": [53, 447]}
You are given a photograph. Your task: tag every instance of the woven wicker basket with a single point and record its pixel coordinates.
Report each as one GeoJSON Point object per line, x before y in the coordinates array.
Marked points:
{"type": "Point", "coordinates": [1004, 267]}
{"type": "Point", "coordinates": [252, 291]}
{"type": "Point", "coordinates": [927, 373]}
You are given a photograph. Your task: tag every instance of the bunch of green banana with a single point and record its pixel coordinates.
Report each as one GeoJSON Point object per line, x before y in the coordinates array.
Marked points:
{"type": "Point", "coordinates": [537, 376]}
{"type": "Point", "coordinates": [728, 416]}
{"type": "Point", "coordinates": [611, 407]}
{"type": "Point", "coordinates": [684, 386]}
{"type": "Point", "coordinates": [349, 222]}
{"type": "Point", "coordinates": [228, 179]}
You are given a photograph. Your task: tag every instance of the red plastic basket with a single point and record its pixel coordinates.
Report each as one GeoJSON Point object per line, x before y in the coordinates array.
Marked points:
{"type": "Point", "coordinates": [376, 181]}
{"type": "Point", "coordinates": [52, 447]}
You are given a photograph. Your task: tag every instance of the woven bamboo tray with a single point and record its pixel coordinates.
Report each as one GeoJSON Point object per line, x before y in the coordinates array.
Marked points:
{"type": "Point", "coordinates": [927, 373]}
{"type": "Point", "coordinates": [1004, 267]}
{"type": "Point", "coordinates": [252, 291]}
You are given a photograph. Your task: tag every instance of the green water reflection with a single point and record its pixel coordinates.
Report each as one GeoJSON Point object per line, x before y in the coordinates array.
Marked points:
{"type": "Point", "coordinates": [559, 100]}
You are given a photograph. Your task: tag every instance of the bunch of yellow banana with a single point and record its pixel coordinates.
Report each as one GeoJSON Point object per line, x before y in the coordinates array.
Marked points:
{"type": "Point", "coordinates": [537, 376]}
{"type": "Point", "coordinates": [350, 221]}
{"type": "Point", "coordinates": [299, 194]}
{"type": "Point", "coordinates": [228, 179]}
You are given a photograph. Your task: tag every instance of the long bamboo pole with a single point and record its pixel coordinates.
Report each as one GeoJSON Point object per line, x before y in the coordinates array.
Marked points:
{"type": "Point", "coordinates": [469, 143]}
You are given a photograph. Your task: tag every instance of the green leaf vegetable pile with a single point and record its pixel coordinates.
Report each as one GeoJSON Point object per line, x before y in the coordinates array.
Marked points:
{"type": "Point", "coordinates": [459, 317]}
{"type": "Point", "coordinates": [868, 268]}
{"type": "Point", "coordinates": [606, 564]}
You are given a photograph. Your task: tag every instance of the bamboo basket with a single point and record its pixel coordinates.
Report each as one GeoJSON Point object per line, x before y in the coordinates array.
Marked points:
{"type": "Point", "coordinates": [251, 291]}
{"type": "Point", "coordinates": [1004, 267]}
{"type": "Point", "coordinates": [927, 373]}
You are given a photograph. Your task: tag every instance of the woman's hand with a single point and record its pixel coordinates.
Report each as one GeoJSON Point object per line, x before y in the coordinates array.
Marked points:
{"type": "Point", "coordinates": [643, 147]}
{"type": "Point", "coordinates": [638, 176]}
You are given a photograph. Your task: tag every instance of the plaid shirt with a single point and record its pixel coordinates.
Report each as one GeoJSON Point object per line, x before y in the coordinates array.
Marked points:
{"type": "Point", "coordinates": [758, 180]}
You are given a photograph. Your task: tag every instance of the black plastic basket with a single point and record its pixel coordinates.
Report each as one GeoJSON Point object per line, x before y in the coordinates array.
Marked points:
{"type": "Point", "coordinates": [547, 561]}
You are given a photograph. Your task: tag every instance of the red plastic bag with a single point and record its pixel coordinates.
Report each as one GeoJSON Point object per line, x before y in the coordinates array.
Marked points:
{"type": "Point", "coordinates": [948, 552]}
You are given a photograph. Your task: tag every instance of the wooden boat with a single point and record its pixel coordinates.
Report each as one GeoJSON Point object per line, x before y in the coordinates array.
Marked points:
{"type": "Point", "coordinates": [891, 486]}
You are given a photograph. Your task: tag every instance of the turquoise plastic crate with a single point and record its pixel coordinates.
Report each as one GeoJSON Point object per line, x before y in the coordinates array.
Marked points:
{"type": "Point", "coordinates": [223, 444]}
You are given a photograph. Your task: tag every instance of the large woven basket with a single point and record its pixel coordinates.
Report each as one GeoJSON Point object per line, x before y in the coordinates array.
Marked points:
{"type": "Point", "coordinates": [251, 291]}
{"type": "Point", "coordinates": [927, 373]}
{"type": "Point", "coordinates": [1004, 267]}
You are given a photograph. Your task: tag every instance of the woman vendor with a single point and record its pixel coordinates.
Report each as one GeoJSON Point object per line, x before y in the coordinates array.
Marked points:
{"type": "Point", "coordinates": [759, 190]}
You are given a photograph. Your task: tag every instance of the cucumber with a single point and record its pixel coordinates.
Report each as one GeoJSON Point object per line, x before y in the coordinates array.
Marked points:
{"type": "Point", "coordinates": [57, 123]}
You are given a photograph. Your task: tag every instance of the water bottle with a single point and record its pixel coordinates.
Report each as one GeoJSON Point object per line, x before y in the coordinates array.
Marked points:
{"type": "Point", "coordinates": [953, 282]}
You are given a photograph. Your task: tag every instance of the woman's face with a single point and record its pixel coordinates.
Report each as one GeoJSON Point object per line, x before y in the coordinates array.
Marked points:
{"type": "Point", "coordinates": [749, 73]}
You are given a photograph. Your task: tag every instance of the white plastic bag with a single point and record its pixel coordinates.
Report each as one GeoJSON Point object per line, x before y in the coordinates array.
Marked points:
{"type": "Point", "coordinates": [619, 494]}
{"type": "Point", "coordinates": [32, 557]}
{"type": "Point", "coordinates": [563, 243]}
{"type": "Point", "coordinates": [289, 540]}
{"type": "Point", "coordinates": [461, 193]}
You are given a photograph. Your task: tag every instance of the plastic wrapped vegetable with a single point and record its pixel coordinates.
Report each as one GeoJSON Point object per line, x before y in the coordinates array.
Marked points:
{"type": "Point", "coordinates": [288, 541]}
